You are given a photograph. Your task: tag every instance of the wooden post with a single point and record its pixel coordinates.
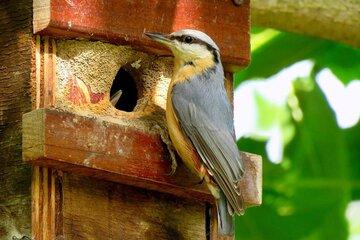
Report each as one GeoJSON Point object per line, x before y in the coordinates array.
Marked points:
{"type": "Point", "coordinates": [102, 173]}
{"type": "Point", "coordinates": [15, 99]}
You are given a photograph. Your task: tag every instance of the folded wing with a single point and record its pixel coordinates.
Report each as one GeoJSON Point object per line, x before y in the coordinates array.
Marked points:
{"type": "Point", "coordinates": [214, 141]}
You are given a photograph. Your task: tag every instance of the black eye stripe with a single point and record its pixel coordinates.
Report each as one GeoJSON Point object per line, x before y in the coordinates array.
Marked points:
{"type": "Point", "coordinates": [198, 41]}
{"type": "Point", "coordinates": [194, 40]}
{"type": "Point", "coordinates": [182, 39]}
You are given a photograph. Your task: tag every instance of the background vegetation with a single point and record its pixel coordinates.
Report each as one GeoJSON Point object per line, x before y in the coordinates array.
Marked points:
{"type": "Point", "coordinates": [302, 107]}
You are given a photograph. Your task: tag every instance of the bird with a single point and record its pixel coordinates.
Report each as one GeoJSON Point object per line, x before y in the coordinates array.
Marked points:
{"type": "Point", "coordinates": [199, 117]}
{"type": "Point", "coordinates": [114, 98]}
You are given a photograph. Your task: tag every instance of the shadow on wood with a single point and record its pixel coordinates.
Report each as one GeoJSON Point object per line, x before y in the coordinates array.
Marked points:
{"type": "Point", "coordinates": [226, 23]}
{"type": "Point", "coordinates": [94, 147]}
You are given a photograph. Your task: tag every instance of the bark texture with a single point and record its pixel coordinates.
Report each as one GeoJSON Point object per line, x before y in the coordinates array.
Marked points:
{"type": "Point", "coordinates": [15, 58]}
{"type": "Point", "coordinates": [329, 19]}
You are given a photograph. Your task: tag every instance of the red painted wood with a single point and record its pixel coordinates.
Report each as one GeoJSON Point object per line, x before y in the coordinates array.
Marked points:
{"type": "Point", "coordinates": [125, 21]}
{"type": "Point", "coordinates": [93, 147]}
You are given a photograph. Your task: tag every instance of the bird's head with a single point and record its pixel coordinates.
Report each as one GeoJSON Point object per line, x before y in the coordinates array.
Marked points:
{"type": "Point", "coordinates": [188, 45]}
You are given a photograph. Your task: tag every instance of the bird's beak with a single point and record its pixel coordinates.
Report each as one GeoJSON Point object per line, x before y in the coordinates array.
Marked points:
{"type": "Point", "coordinates": [159, 37]}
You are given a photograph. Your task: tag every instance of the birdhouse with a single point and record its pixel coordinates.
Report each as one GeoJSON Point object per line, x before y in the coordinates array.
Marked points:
{"type": "Point", "coordinates": [104, 169]}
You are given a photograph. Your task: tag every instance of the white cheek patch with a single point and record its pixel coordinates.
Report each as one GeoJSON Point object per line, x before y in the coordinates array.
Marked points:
{"type": "Point", "coordinates": [191, 51]}
{"type": "Point", "coordinates": [197, 49]}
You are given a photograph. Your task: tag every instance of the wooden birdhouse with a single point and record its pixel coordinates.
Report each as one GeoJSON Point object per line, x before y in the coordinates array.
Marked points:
{"type": "Point", "coordinates": [102, 170]}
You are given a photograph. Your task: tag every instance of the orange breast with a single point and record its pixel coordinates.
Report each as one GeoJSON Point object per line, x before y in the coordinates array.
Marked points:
{"type": "Point", "coordinates": [181, 142]}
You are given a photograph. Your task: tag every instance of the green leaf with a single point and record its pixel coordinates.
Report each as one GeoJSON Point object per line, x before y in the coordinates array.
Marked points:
{"type": "Point", "coordinates": [306, 195]}
{"type": "Point", "coordinates": [279, 52]}
{"type": "Point", "coordinates": [352, 137]}
{"type": "Point", "coordinates": [342, 60]}
{"type": "Point", "coordinates": [256, 30]}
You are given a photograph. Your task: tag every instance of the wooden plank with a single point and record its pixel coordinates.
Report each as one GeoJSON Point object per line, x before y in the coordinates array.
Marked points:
{"type": "Point", "coordinates": [46, 194]}
{"type": "Point", "coordinates": [15, 99]}
{"type": "Point", "coordinates": [46, 207]}
{"type": "Point", "coordinates": [37, 71]}
{"type": "Point", "coordinates": [35, 192]}
{"type": "Point", "coordinates": [49, 72]}
{"type": "Point", "coordinates": [93, 147]}
{"type": "Point", "coordinates": [124, 22]}
{"type": "Point", "coordinates": [52, 207]}
{"type": "Point", "coordinates": [58, 204]}
{"type": "Point", "coordinates": [97, 209]}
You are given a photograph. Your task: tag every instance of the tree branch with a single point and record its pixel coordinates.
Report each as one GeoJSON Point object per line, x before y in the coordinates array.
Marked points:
{"type": "Point", "coordinates": [329, 19]}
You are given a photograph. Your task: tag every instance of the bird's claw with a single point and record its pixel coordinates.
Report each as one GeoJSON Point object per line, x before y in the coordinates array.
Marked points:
{"type": "Point", "coordinates": [172, 156]}
{"type": "Point", "coordinates": [173, 163]}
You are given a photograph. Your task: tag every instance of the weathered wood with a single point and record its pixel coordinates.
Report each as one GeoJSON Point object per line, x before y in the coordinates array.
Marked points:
{"type": "Point", "coordinates": [46, 182]}
{"type": "Point", "coordinates": [96, 209]}
{"type": "Point", "coordinates": [46, 205]}
{"type": "Point", "coordinates": [15, 69]}
{"type": "Point", "coordinates": [49, 72]}
{"type": "Point", "coordinates": [85, 208]}
{"type": "Point", "coordinates": [110, 20]}
{"type": "Point", "coordinates": [55, 139]}
{"type": "Point", "coordinates": [110, 151]}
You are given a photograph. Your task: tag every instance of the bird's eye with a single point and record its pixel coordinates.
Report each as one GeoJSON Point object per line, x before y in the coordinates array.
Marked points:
{"type": "Point", "coordinates": [188, 39]}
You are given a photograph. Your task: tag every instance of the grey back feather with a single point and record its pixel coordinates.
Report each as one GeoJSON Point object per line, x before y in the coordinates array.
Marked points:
{"type": "Point", "coordinates": [205, 115]}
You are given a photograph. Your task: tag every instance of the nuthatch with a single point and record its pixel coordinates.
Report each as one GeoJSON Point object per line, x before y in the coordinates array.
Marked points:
{"type": "Point", "coordinates": [200, 120]}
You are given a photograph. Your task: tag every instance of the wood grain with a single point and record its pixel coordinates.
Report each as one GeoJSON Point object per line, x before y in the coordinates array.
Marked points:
{"type": "Point", "coordinates": [123, 154]}
{"type": "Point", "coordinates": [124, 22]}
{"type": "Point", "coordinates": [46, 204]}
{"type": "Point", "coordinates": [46, 190]}
{"type": "Point", "coordinates": [15, 70]}
{"type": "Point", "coordinates": [71, 206]}
{"type": "Point", "coordinates": [96, 209]}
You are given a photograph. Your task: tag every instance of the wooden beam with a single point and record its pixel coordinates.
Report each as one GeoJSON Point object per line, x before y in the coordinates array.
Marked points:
{"type": "Point", "coordinates": [96, 209]}
{"type": "Point", "coordinates": [329, 19]}
{"type": "Point", "coordinates": [93, 147]}
{"type": "Point", "coordinates": [15, 99]}
{"type": "Point", "coordinates": [112, 21]}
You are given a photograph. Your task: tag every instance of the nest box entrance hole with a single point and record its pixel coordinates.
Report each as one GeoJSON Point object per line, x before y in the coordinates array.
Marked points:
{"type": "Point", "coordinates": [123, 91]}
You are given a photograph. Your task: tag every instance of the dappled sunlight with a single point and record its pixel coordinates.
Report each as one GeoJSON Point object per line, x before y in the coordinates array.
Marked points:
{"type": "Point", "coordinates": [274, 146]}
{"type": "Point", "coordinates": [353, 217]}
{"type": "Point", "coordinates": [257, 40]}
{"type": "Point", "coordinates": [262, 111]}
{"type": "Point", "coordinates": [344, 100]}
{"type": "Point", "coordinates": [281, 112]}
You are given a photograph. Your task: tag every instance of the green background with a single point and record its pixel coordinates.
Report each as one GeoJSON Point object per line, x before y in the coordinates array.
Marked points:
{"type": "Point", "coordinates": [306, 195]}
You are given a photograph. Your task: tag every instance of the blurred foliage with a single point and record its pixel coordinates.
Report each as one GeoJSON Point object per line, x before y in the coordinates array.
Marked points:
{"type": "Point", "coordinates": [306, 195]}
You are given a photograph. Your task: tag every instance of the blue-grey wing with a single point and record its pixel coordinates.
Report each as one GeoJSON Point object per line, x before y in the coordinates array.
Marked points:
{"type": "Point", "coordinates": [205, 116]}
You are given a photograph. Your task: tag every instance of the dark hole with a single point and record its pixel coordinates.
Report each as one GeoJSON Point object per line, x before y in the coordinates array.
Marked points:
{"type": "Point", "coordinates": [123, 92]}
{"type": "Point", "coordinates": [208, 221]}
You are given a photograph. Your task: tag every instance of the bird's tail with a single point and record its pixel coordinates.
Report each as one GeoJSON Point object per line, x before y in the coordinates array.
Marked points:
{"type": "Point", "coordinates": [225, 220]}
